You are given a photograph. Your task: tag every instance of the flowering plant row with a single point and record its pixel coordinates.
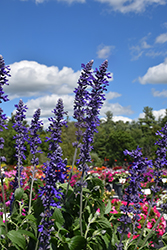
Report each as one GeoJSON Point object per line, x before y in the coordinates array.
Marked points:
{"type": "Point", "coordinates": [51, 214]}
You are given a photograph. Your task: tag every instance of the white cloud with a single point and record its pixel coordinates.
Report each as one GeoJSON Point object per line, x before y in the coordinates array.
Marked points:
{"type": "Point", "coordinates": [126, 6]}
{"type": "Point", "coordinates": [157, 113]}
{"type": "Point", "coordinates": [161, 38]}
{"type": "Point", "coordinates": [157, 93]}
{"type": "Point", "coordinates": [164, 25]}
{"type": "Point", "coordinates": [40, 1]}
{"type": "Point", "coordinates": [138, 50]}
{"type": "Point", "coordinates": [47, 104]}
{"type": "Point", "coordinates": [116, 109]}
{"type": "Point", "coordinates": [111, 95]}
{"type": "Point", "coordinates": [154, 54]}
{"type": "Point", "coordinates": [72, 1]}
{"type": "Point", "coordinates": [121, 118]}
{"type": "Point", "coordinates": [145, 45]}
{"type": "Point", "coordinates": [67, 1]}
{"type": "Point", "coordinates": [104, 51]}
{"type": "Point", "coordinates": [156, 74]}
{"type": "Point", "coordinates": [30, 78]}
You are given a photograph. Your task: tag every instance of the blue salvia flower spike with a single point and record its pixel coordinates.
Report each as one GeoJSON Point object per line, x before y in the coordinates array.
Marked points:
{"type": "Point", "coordinates": [55, 172]}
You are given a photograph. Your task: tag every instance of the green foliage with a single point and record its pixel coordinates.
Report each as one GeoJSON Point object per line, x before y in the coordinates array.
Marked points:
{"type": "Point", "coordinates": [117, 142]}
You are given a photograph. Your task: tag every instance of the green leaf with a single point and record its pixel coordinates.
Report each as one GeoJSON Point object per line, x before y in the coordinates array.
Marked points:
{"type": "Point", "coordinates": [100, 204]}
{"type": "Point", "coordinates": [19, 193]}
{"type": "Point", "coordinates": [163, 248]}
{"type": "Point", "coordinates": [1, 221]}
{"type": "Point", "coordinates": [27, 233]}
{"type": "Point", "coordinates": [104, 223]}
{"type": "Point", "coordinates": [86, 190]}
{"type": "Point", "coordinates": [57, 216]}
{"type": "Point", "coordinates": [17, 239]}
{"type": "Point", "coordinates": [77, 243]}
{"type": "Point", "coordinates": [92, 219]}
{"type": "Point", "coordinates": [108, 207]}
{"type": "Point", "coordinates": [64, 186]}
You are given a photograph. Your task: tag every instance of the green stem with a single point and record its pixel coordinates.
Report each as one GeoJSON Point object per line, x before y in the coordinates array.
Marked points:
{"type": "Point", "coordinates": [81, 205]}
{"type": "Point", "coordinates": [71, 173]}
{"type": "Point", "coordinates": [3, 195]}
{"type": "Point", "coordinates": [31, 188]}
{"type": "Point", "coordinates": [37, 241]}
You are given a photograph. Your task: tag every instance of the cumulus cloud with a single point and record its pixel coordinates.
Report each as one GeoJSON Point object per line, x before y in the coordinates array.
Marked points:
{"type": "Point", "coordinates": [157, 93]}
{"type": "Point", "coordinates": [116, 109]}
{"type": "Point", "coordinates": [121, 118]}
{"type": "Point", "coordinates": [157, 113]}
{"type": "Point", "coordinates": [126, 6]}
{"type": "Point", "coordinates": [156, 74]}
{"type": "Point", "coordinates": [104, 51]}
{"type": "Point", "coordinates": [111, 95]}
{"type": "Point", "coordinates": [161, 38]}
{"type": "Point", "coordinates": [47, 104]}
{"type": "Point", "coordinates": [30, 78]}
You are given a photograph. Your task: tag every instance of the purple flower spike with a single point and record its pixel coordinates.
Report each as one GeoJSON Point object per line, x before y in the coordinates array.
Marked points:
{"type": "Point", "coordinates": [20, 137]}
{"type": "Point", "coordinates": [34, 139]}
{"type": "Point", "coordinates": [94, 101]}
{"type": "Point", "coordinates": [4, 73]}
{"type": "Point", "coordinates": [133, 191]}
{"type": "Point", "coordinates": [2, 125]}
{"type": "Point", "coordinates": [82, 97]}
{"type": "Point", "coordinates": [160, 160]}
{"type": "Point", "coordinates": [55, 171]}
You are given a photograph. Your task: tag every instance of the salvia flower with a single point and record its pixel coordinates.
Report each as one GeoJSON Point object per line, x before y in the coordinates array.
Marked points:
{"type": "Point", "coordinates": [2, 125]}
{"type": "Point", "coordinates": [160, 160]}
{"type": "Point", "coordinates": [4, 73]}
{"type": "Point", "coordinates": [34, 142]}
{"type": "Point", "coordinates": [20, 137]}
{"type": "Point", "coordinates": [82, 97]}
{"type": "Point", "coordinates": [132, 192]}
{"type": "Point", "coordinates": [96, 97]}
{"type": "Point", "coordinates": [55, 171]}
{"type": "Point", "coordinates": [34, 139]}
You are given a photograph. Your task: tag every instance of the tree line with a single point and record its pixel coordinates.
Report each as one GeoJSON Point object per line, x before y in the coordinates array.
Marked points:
{"type": "Point", "coordinates": [109, 143]}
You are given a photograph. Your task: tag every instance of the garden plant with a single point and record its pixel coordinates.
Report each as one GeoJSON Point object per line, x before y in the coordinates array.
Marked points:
{"type": "Point", "coordinates": [51, 209]}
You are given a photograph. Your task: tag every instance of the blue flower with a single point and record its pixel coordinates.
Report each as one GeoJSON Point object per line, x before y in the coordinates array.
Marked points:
{"type": "Point", "coordinates": [55, 171]}
{"type": "Point", "coordinates": [4, 73]}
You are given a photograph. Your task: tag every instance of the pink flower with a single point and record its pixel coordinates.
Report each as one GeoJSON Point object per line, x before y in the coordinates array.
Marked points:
{"type": "Point", "coordinates": [98, 211]}
{"type": "Point", "coordinates": [135, 236]}
{"type": "Point", "coordinates": [149, 225]}
{"type": "Point", "coordinates": [129, 234]}
{"type": "Point", "coordinates": [139, 226]}
{"type": "Point", "coordinates": [113, 210]}
{"type": "Point", "coordinates": [7, 203]}
{"type": "Point", "coordinates": [153, 220]}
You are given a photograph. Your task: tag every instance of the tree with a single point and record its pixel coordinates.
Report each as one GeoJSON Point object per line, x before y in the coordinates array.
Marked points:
{"type": "Point", "coordinates": [117, 142]}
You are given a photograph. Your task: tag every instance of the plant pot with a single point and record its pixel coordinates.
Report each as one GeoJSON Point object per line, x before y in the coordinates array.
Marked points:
{"type": "Point", "coordinates": [118, 189]}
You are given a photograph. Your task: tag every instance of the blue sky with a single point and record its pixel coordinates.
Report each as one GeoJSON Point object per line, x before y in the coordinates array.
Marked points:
{"type": "Point", "coordinates": [45, 42]}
